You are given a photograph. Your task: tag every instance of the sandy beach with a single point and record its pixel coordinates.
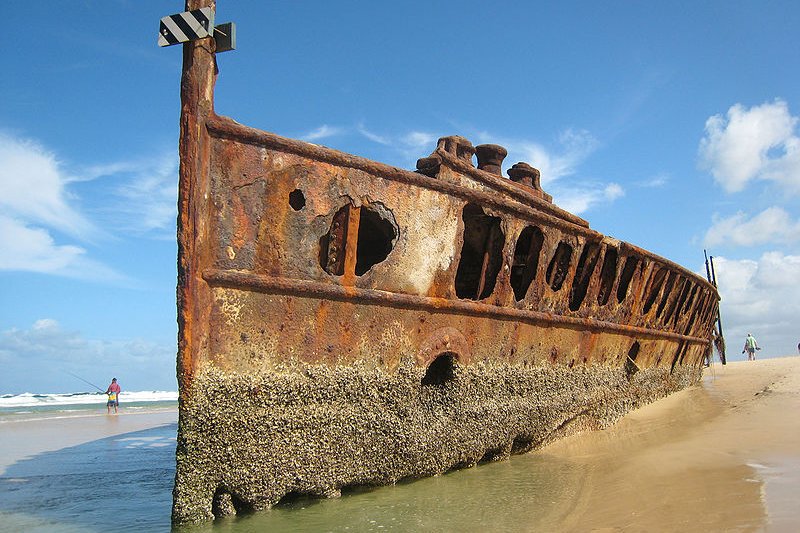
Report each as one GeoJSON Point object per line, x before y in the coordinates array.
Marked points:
{"type": "Point", "coordinates": [717, 457]}
{"type": "Point", "coordinates": [721, 457]}
{"type": "Point", "coordinates": [25, 439]}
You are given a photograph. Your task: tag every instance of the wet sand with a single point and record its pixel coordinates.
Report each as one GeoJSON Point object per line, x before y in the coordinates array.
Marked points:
{"type": "Point", "coordinates": [23, 439]}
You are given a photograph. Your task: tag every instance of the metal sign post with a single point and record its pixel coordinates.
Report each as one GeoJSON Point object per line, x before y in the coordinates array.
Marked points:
{"type": "Point", "coordinates": [196, 24]}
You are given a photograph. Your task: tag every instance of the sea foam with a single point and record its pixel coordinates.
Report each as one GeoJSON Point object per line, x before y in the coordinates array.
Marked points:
{"type": "Point", "coordinates": [28, 399]}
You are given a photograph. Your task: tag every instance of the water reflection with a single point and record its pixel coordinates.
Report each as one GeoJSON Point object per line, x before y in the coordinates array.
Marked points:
{"type": "Point", "coordinates": [499, 496]}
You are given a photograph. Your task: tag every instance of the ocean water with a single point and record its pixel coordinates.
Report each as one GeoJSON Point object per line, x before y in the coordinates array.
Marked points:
{"type": "Point", "coordinates": [38, 406]}
{"type": "Point", "coordinates": [121, 482]}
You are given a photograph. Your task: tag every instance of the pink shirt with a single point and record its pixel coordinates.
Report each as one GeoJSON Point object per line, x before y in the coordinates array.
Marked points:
{"type": "Point", "coordinates": [114, 387]}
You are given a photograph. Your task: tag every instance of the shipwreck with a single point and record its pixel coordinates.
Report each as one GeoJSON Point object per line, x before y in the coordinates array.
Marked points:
{"type": "Point", "coordinates": [346, 323]}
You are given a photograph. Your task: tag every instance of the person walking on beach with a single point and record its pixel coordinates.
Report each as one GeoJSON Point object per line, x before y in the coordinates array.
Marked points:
{"type": "Point", "coordinates": [750, 346]}
{"type": "Point", "coordinates": [113, 391]}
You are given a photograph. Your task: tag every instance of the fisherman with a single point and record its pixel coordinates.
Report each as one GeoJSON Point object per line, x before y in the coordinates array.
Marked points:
{"type": "Point", "coordinates": [750, 346]}
{"type": "Point", "coordinates": [113, 391]}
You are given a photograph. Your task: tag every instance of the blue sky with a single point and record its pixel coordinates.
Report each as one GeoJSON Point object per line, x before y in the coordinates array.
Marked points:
{"type": "Point", "coordinates": [670, 125]}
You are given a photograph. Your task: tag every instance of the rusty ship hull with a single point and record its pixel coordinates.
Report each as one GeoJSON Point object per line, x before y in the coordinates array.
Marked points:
{"type": "Point", "coordinates": [346, 323]}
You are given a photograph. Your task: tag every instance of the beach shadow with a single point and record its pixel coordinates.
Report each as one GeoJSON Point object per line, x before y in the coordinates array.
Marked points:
{"type": "Point", "coordinates": [120, 481]}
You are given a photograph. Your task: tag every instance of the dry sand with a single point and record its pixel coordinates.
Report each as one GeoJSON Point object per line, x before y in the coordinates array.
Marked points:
{"type": "Point", "coordinates": [720, 457]}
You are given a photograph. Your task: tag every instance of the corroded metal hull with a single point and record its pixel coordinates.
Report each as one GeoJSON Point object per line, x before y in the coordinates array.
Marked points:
{"type": "Point", "coordinates": [344, 322]}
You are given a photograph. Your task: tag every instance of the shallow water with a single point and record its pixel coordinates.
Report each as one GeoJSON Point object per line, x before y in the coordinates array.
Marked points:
{"type": "Point", "coordinates": [581, 483]}
{"type": "Point", "coordinates": [127, 480]}
{"type": "Point", "coordinates": [122, 481]}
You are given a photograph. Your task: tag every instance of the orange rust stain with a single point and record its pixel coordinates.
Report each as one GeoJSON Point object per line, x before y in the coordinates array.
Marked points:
{"type": "Point", "coordinates": [241, 224]}
{"type": "Point", "coordinates": [321, 326]}
{"type": "Point", "coordinates": [587, 345]}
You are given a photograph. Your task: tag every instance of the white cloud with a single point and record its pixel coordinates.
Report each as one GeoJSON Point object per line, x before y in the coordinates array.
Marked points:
{"type": "Point", "coordinates": [146, 200]}
{"type": "Point", "coordinates": [37, 210]}
{"type": "Point", "coordinates": [773, 225]}
{"type": "Point", "coordinates": [762, 297]}
{"type": "Point", "coordinates": [578, 144]}
{"type": "Point", "coordinates": [53, 353]}
{"type": "Point", "coordinates": [753, 144]}
{"type": "Point", "coordinates": [655, 182]}
{"type": "Point", "coordinates": [374, 137]}
{"type": "Point", "coordinates": [420, 140]}
{"type": "Point", "coordinates": [34, 205]}
{"type": "Point", "coordinates": [34, 250]}
{"type": "Point", "coordinates": [45, 336]}
{"type": "Point", "coordinates": [322, 132]}
{"type": "Point", "coordinates": [573, 147]}
{"type": "Point", "coordinates": [578, 201]}
{"type": "Point", "coordinates": [26, 248]}
{"type": "Point", "coordinates": [613, 191]}
{"type": "Point", "coordinates": [33, 188]}
{"type": "Point", "coordinates": [785, 170]}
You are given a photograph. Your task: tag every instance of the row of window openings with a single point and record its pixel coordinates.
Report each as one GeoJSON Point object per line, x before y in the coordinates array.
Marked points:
{"type": "Point", "coordinates": [482, 259]}
{"type": "Point", "coordinates": [442, 369]}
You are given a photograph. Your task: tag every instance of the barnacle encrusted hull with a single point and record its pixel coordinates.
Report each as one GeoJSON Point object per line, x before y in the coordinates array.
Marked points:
{"type": "Point", "coordinates": [248, 440]}
{"type": "Point", "coordinates": [344, 322]}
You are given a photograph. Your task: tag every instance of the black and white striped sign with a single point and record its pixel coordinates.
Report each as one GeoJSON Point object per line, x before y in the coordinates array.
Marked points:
{"type": "Point", "coordinates": [186, 26]}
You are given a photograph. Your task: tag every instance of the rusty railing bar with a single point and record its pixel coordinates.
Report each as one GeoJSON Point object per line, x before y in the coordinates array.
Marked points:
{"type": "Point", "coordinates": [315, 289]}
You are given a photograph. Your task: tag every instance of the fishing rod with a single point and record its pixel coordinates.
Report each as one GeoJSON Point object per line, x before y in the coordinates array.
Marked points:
{"type": "Point", "coordinates": [87, 382]}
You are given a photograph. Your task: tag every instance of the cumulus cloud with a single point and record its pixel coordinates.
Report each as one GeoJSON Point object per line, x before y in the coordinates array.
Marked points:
{"type": "Point", "coordinates": [53, 353]}
{"type": "Point", "coordinates": [771, 226]}
{"type": "Point", "coordinates": [758, 143]}
{"type": "Point", "coordinates": [762, 297]}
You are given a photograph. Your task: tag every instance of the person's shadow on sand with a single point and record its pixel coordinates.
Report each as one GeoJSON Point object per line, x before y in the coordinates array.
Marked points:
{"type": "Point", "coordinates": [120, 481]}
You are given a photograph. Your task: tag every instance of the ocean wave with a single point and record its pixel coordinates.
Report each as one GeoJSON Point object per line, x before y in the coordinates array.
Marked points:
{"type": "Point", "coordinates": [28, 399]}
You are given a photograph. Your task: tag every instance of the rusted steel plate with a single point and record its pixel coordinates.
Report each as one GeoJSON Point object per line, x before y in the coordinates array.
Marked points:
{"type": "Point", "coordinates": [345, 322]}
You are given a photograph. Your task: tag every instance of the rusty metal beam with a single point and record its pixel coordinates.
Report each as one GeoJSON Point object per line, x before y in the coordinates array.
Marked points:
{"type": "Point", "coordinates": [313, 289]}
